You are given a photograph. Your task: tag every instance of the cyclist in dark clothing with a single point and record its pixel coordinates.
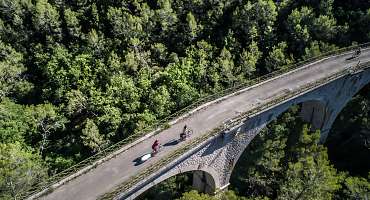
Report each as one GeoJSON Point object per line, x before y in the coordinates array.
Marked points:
{"type": "Point", "coordinates": [358, 51]}
{"type": "Point", "coordinates": [183, 133]}
{"type": "Point", "coordinates": [155, 146]}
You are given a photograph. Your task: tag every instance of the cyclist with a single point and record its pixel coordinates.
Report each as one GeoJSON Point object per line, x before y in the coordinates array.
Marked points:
{"type": "Point", "coordinates": [183, 133]}
{"type": "Point", "coordinates": [155, 146]}
{"type": "Point", "coordinates": [358, 51]}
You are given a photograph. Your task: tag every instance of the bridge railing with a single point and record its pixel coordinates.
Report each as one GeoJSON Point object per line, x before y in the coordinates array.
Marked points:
{"type": "Point", "coordinates": [44, 187]}
{"type": "Point", "coordinates": [156, 167]}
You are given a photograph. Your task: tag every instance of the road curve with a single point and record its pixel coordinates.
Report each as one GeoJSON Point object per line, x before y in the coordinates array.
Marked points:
{"type": "Point", "coordinates": [106, 176]}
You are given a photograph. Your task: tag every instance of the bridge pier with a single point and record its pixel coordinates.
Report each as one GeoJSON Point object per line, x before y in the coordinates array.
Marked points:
{"type": "Point", "coordinates": [320, 116]}
{"type": "Point", "coordinates": [322, 112]}
{"type": "Point", "coordinates": [203, 182]}
{"type": "Point", "coordinates": [314, 112]}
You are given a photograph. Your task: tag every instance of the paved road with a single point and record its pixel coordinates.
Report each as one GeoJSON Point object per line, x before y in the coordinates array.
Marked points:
{"type": "Point", "coordinates": [109, 174]}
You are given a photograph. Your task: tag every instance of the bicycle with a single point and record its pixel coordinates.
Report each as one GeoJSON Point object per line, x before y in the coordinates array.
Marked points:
{"type": "Point", "coordinates": [156, 152]}
{"type": "Point", "coordinates": [357, 53]}
{"type": "Point", "coordinates": [187, 134]}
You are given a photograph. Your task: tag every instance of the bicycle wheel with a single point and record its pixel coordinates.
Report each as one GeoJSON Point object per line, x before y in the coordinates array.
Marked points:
{"type": "Point", "coordinates": [189, 132]}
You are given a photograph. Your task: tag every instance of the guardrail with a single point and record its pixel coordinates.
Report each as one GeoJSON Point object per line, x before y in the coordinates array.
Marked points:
{"type": "Point", "coordinates": [45, 186]}
{"type": "Point", "coordinates": [156, 167]}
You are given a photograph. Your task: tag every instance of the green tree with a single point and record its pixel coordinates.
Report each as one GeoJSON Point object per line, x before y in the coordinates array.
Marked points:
{"type": "Point", "coordinates": [248, 60]}
{"type": "Point", "coordinates": [349, 139]}
{"type": "Point", "coordinates": [160, 53]}
{"type": "Point", "coordinates": [170, 188]}
{"type": "Point", "coordinates": [76, 103]}
{"type": "Point", "coordinates": [355, 188]}
{"type": "Point", "coordinates": [96, 43]}
{"type": "Point", "coordinates": [20, 168]}
{"type": "Point", "coordinates": [316, 48]}
{"type": "Point", "coordinates": [194, 195]}
{"type": "Point", "coordinates": [285, 161]}
{"type": "Point", "coordinates": [32, 124]}
{"type": "Point", "coordinates": [14, 23]}
{"type": "Point", "coordinates": [166, 16]}
{"type": "Point", "coordinates": [298, 23]}
{"type": "Point", "coordinates": [123, 92]}
{"type": "Point", "coordinates": [91, 137]}
{"type": "Point", "coordinates": [83, 72]}
{"type": "Point", "coordinates": [231, 195]}
{"type": "Point", "coordinates": [72, 22]}
{"type": "Point", "coordinates": [324, 28]}
{"type": "Point", "coordinates": [278, 58]}
{"type": "Point", "coordinates": [261, 167]}
{"type": "Point", "coordinates": [366, 20]}
{"type": "Point", "coordinates": [45, 120]}
{"type": "Point", "coordinates": [12, 80]}
{"type": "Point", "coordinates": [326, 7]}
{"type": "Point", "coordinates": [257, 16]}
{"type": "Point", "coordinates": [13, 126]}
{"type": "Point", "coordinates": [160, 101]}
{"type": "Point", "coordinates": [225, 64]}
{"type": "Point", "coordinates": [312, 176]}
{"type": "Point", "coordinates": [46, 21]}
{"type": "Point", "coordinates": [109, 121]}
{"type": "Point", "coordinates": [138, 57]}
{"type": "Point", "coordinates": [192, 27]}
{"type": "Point", "coordinates": [55, 66]}
{"type": "Point", "coordinates": [125, 25]}
{"type": "Point", "coordinates": [57, 162]}
{"type": "Point", "coordinates": [305, 25]}
{"type": "Point", "coordinates": [197, 66]}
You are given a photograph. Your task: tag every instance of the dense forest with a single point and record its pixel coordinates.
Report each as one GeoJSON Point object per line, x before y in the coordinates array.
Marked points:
{"type": "Point", "coordinates": [78, 76]}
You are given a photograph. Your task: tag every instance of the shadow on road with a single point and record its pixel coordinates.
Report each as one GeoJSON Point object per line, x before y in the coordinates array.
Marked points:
{"type": "Point", "coordinates": [350, 58]}
{"type": "Point", "coordinates": [171, 143]}
{"type": "Point", "coordinates": [137, 161]}
{"type": "Point", "coordinates": [140, 160]}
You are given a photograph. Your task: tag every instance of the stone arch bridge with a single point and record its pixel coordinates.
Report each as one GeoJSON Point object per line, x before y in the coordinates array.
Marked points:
{"type": "Point", "coordinates": [323, 88]}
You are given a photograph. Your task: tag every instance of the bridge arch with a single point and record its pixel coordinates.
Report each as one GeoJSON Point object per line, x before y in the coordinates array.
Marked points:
{"type": "Point", "coordinates": [350, 89]}
{"type": "Point", "coordinates": [320, 107]}
{"type": "Point", "coordinates": [349, 99]}
{"type": "Point", "coordinates": [348, 139]}
{"type": "Point", "coordinates": [204, 180]}
{"type": "Point", "coordinates": [313, 110]}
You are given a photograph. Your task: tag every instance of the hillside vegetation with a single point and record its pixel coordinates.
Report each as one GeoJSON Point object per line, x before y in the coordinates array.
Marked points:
{"type": "Point", "coordinates": [78, 76]}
